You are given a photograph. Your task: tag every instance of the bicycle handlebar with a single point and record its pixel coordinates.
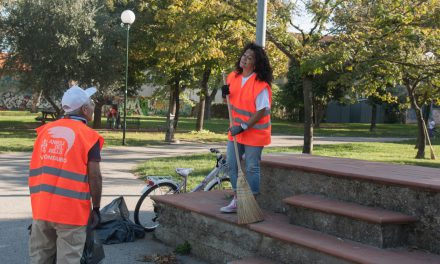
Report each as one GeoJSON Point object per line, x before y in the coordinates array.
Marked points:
{"type": "Point", "coordinates": [214, 150]}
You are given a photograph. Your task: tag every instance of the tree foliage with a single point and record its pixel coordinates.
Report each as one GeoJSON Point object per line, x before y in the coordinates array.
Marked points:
{"type": "Point", "coordinates": [55, 41]}
{"type": "Point", "coordinates": [394, 42]}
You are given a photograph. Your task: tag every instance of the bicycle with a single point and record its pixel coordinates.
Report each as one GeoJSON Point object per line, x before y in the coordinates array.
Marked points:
{"type": "Point", "coordinates": [145, 213]}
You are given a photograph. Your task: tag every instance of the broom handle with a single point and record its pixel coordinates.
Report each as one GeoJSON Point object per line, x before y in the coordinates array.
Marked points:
{"type": "Point", "coordinates": [235, 140]}
{"type": "Point", "coordinates": [237, 158]}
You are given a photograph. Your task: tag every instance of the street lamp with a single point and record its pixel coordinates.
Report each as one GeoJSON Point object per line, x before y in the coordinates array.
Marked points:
{"type": "Point", "coordinates": [127, 18]}
{"type": "Point", "coordinates": [261, 22]}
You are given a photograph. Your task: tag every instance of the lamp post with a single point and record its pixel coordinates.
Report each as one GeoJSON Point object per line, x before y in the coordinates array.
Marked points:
{"type": "Point", "coordinates": [261, 22]}
{"type": "Point", "coordinates": [127, 18]}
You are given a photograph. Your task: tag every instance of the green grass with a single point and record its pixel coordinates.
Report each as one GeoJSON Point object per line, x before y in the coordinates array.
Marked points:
{"type": "Point", "coordinates": [18, 128]}
{"type": "Point", "coordinates": [347, 129]}
{"type": "Point", "coordinates": [17, 140]}
{"type": "Point", "coordinates": [202, 164]}
{"type": "Point", "coordinates": [25, 119]}
{"type": "Point", "coordinates": [219, 126]}
{"type": "Point", "coordinates": [17, 120]}
{"type": "Point", "coordinates": [16, 113]}
{"type": "Point", "coordinates": [398, 153]}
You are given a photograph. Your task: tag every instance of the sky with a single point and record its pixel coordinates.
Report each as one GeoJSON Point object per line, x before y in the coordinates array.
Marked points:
{"type": "Point", "coordinates": [302, 19]}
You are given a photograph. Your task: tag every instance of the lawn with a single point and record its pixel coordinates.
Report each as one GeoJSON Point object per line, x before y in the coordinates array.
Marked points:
{"type": "Point", "coordinates": [18, 128]}
{"type": "Point", "coordinates": [398, 153]}
{"type": "Point", "coordinates": [17, 133]}
{"type": "Point", "coordinates": [283, 127]}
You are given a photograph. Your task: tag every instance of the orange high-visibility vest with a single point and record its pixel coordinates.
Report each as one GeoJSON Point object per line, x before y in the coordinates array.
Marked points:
{"type": "Point", "coordinates": [58, 180]}
{"type": "Point", "coordinates": [242, 100]}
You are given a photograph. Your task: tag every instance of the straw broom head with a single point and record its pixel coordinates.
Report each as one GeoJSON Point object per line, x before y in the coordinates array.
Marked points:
{"type": "Point", "coordinates": [248, 210]}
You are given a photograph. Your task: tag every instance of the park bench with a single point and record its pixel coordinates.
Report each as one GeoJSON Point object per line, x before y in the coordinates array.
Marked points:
{"type": "Point", "coordinates": [47, 115]}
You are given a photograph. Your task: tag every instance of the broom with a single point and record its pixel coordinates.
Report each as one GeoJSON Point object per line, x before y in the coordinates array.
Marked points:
{"type": "Point", "coordinates": [429, 141]}
{"type": "Point", "coordinates": [248, 210]}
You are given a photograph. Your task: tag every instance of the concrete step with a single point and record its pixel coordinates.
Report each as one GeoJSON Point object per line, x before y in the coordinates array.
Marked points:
{"type": "Point", "coordinates": [252, 260]}
{"type": "Point", "coordinates": [217, 238]}
{"type": "Point", "coordinates": [373, 226]}
{"type": "Point", "coordinates": [412, 190]}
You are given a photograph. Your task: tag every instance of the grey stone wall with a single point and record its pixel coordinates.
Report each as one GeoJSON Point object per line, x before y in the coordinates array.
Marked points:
{"type": "Point", "coordinates": [217, 242]}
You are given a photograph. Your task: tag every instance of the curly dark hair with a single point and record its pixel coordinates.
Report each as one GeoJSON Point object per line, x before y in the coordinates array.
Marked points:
{"type": "Point", "coordinates": [262, 64]}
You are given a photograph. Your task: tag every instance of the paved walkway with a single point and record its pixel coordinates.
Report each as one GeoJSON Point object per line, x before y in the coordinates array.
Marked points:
{"type": "Point", "coordinates": [15, 211]}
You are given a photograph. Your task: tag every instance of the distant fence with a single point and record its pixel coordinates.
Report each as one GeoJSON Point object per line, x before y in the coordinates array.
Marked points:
{"type": "Point", "coordinates": [354, 113]}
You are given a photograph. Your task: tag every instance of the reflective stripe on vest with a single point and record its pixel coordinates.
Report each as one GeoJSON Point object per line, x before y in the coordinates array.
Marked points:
{"type": "Point", "coordinates": [58, 172]}
{"type": "Point", "coordinates": [246, 113]}
{"type": "Point", "coordinates": [256, 126]}
{"type": "Point", "coordinates": [59, 191]}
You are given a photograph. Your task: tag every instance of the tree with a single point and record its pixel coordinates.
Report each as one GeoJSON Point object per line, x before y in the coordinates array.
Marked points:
{"type": "Point", "coordinates": [401, 40]}
{"type": "Point", "coordinates": [60, 40]}
{"type": "Point", "coordinates": [186, 46]}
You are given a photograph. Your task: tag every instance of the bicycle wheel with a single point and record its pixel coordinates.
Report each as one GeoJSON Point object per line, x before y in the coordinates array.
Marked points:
{"type": "Point", "coordinates": [145, 213]}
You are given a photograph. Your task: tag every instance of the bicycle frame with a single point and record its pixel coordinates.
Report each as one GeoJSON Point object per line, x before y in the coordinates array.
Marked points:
{"type": "Point", "coordinates": [206, 184]}
{"type": "Point", "coordinates": [168, 185]}
{"type": "Point", "coordinates": [211, 179]}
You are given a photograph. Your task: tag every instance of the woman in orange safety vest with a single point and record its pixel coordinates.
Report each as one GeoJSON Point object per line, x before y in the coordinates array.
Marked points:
{"type": "Point", "coordinates": [250, 95]}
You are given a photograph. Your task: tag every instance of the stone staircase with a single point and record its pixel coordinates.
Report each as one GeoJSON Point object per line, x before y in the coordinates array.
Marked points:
{"type": "Point", "coordinates": [369, 225]}
{"type": "Point", "coordinates": [317, 210]}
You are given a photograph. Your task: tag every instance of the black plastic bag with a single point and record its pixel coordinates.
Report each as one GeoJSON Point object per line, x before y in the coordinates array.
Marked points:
{"type": "Point", "coordinates": [119, 231]}
{"type": "Point", "coordinates": [116, 226]}
{"type": "Point", "coordinates": [93, 250]}
{"type": "Point", "coordinates": [116, 210]}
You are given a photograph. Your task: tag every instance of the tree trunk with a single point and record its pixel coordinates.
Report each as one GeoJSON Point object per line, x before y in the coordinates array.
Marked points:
{"type": "Point", "coordinates": [208, 103]}
{"type": "Point", "coordinates": [308, 115]}
{"type": "Point", "coordinates": [176, 97]}
{"type": "Point", "coordinates": [373, 117]}
{"type": "Point", "coordinates": [36, 98]}
{"type": "Point", "coordinates": [203, 95]}
{"type": "Point", "coordinates": [421, 136]}
{"type": "Point", "coordinates": [319, 111]}
{"type": "Point", "coordinates": [169, 135]}
{"type": "Point", "coordinates": [97, 114]}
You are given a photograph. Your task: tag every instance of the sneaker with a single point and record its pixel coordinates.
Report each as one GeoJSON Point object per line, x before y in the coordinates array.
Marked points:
{"type": "Point", "coordinates": [231, 207]}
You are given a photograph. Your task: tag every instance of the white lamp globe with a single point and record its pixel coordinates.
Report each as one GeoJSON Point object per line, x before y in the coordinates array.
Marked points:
{"type": "Point", "coordinates": [128, 17]}
{"type": "Point", "coordinates": [430, 55]}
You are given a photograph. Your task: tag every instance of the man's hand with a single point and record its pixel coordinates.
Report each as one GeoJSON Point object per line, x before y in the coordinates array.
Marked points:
{"type": "Point", "coordinates": [225, 90]}
{"type": "Point", "coordinates": [96, 218]}
{"type": "Point", "coordinates": [235, 130]}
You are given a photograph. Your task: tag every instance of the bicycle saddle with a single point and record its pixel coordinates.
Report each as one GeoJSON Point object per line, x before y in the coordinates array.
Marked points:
{"type": "Point", "coordinates": [184, 172]}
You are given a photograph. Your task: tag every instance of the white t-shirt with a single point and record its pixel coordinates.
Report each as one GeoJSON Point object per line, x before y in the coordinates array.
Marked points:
{"type": "Point", "coordinates": [262, 100]}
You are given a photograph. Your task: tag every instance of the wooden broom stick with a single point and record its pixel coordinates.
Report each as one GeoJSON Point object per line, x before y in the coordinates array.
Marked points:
{"type": "Point", "coordinates": [248, 210]}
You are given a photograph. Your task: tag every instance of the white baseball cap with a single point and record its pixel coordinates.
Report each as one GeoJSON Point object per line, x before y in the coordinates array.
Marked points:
{"type": "Point", "coordinates": [75, 97]}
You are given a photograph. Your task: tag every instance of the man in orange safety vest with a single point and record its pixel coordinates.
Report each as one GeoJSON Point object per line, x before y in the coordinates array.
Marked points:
{"type": "Point", "coordinates": [64, 181]}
